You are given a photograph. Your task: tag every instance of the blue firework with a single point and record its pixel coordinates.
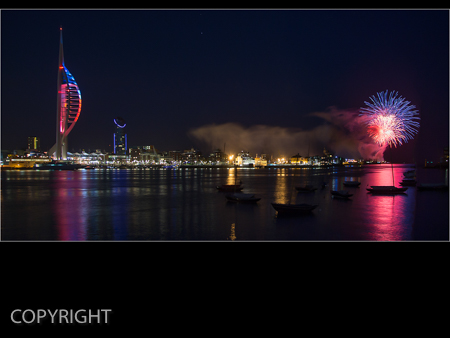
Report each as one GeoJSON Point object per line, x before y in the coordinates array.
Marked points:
{"type": "Point", "coordinates": [390, 119]}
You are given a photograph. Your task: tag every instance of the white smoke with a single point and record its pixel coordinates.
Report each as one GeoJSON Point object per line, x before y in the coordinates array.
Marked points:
{"type": "Point", "coordinates": [342, 133]}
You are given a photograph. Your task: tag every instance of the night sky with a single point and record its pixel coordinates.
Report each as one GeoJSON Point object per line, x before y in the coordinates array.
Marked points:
{"type": "Point", "coordinates": [170, 73]}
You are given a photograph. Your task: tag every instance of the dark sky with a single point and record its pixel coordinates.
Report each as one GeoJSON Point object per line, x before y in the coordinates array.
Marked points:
{"type": "Point", "coordinates": [167, 72]}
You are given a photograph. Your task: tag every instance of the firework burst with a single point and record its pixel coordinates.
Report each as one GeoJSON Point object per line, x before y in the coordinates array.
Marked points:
{"type": "Point", "coordinates": [390, 120]}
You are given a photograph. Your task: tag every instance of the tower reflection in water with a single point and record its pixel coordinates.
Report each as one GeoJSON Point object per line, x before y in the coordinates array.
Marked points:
{"type": "Point", "coordinates": [71, 208]}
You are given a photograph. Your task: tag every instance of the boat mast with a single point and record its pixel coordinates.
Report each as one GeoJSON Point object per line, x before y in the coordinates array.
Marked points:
{"type": "Point", "coordinates": [392, 168]}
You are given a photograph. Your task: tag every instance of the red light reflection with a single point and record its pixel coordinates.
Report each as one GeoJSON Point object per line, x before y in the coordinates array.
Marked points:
{"type": "Point", "coordinates": [70, 210]}
{"type": "Point", "coordinates": [384, 176]}
{"type": "Point", "coordinates": [390, 217]}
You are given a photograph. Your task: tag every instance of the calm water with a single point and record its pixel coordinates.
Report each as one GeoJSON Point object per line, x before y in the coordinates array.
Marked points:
{"type": "Point", "coordinates": [184, 204]}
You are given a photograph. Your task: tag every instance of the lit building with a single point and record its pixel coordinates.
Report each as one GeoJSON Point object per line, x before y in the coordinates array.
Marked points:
{"type": "Point", "coordinates": [144, 154]}
{"type": "Point", "coordinates": [135, 154]}
{"type": "Point", "coordinates": [299, 160]}
{"type": "Point", "coordinates": [120, 137]}
{"type": "Point", "coordinates": [177, 155]}
{"type": "Point", "coordinates": [218, 156]}
{"type": "Point", "coordinates": [165, 158]}
{"type": "Point", "coordinates": [260, 161]}
{"type": "Point", "coordinates": [34, 143]}
{"type": "Point", "coordinates": [87, 158]}
{"type": "Point", "coordinates": [244, 159]}
{"type": "Point", "coordinates": [149, 155]}
{"type": "Point", "coordinates": [191, 155]}
{"type": "Point", "coordinates": [68, 106]}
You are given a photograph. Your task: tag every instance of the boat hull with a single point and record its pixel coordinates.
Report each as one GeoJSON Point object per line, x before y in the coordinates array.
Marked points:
{"type": "Point", "coordinates": [229, 188]}
{"type": "Point", "coordinates": [409, 174]}
{"type": "Point", "coordinates": [352, 184]}
{"type": "Point", "coordinates": [305, 189]}
{"type": "Point", "coordinates": [410, 183]}
{"type": "Point", "coordinates": [340, 194]}
{"type": "Point", "coordinates": [293, 208]}
{"type": "Point", "coordinates": [390, 190]}
{"type": "Point", "coordinates": [432, 186]}
{"type": "Point", "coordinates": [242, 198]}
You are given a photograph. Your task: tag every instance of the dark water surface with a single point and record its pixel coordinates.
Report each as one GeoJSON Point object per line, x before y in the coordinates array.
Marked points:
{"type": "Point", "coordinates": [184, 204]}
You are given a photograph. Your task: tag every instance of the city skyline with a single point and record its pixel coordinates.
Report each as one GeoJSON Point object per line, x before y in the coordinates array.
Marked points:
{"type": "Point", "coordinates": [261, 79]}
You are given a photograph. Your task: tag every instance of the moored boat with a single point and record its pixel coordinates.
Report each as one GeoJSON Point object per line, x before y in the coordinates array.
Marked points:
{"type": "Point", "coordinates": [408, 182]}
{"type": "Point", "coordinates": [410, 173]}
{"type": "Point", "coordinates": [242, 198]}
{"type": "Point", "coordinates": [352, 183]}
{"type": "Point", "coordinates": [341, 193]}
{"type": "Point", "coordinates": [385, 189]}
{"type": "Point", "coordinates": [230, 187]}
{"type": "Point", "coordinates": [288, 208]}
{"type": "Point", "coordinates": [432, 186]}
{"type": "Point", "coordinates": [306, 188]}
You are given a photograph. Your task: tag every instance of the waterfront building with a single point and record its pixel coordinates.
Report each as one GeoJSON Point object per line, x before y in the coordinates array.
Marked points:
{"type": "Point", "coordinates": [120, 137]}
{"type": "Point", "coordinates": [244, 158]}
{"type": "Point", "coordinates": [68, 106]}
{"type": "Point", "coordinates": [117, 160]}
{"type": "Point", "coordinates": [166, 158]}
{"type": "Point", "coordinates": [83, 157]}
{"type": "Point", "coordinates": [191, 156]}
{"type": "Point", "coordinates": [260, 161]}
{"type": "Point", "coordinates": [135, 154]}
{"type": "Point", "coordinates": [150, 149]}
{"type": "Point", "coordinates": [218, 156]}
{"type": "Point", "coordinates": [177, 155]}
{"type": "Point", "coordinates": [144, 154]}
{"type": "Point", "coordinates": [25, 163]}
{"type": "Point", "coordinates": [34, 143]}
{"type": "Point", "coordinates": [149, 155]}
{"type": "Point", "coordinates": [299, 160]}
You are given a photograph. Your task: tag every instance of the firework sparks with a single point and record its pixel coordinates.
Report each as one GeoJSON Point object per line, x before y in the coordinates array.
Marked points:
{"type": "Point", "coordinates": [390, 120]}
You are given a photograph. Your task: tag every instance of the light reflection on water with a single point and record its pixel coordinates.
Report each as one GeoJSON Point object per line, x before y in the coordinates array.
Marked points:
{"type": "Point", "coordinates": [390, 217]}
{"type": "Point", "coordinates": [185, 205]}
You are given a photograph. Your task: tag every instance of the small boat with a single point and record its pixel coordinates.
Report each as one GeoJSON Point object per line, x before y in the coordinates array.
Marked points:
{"type": "Point", "coordinates": [385, 189]}
{"type": "Point", "coordinates": [341, 193]}
{"type": "Point", "coordinates": [410, 173]}
{"type": "Point", "coordinates": [306, 188]}
{"type": "Point", "coordinates": [432, 186]}
{"type": "Point", "coordinates": [352, 183]}
{"type": "Point", "coordinates": [242, 198]}
{"type": "Point", "coordinates": [230, 187]}
{"type": "Point", "coordinates": [293, 208]}
{"type": "Point", "coordinates": [408, 182]}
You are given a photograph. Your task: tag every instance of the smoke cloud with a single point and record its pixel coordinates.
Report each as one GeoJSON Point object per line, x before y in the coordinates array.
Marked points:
{"type": "Point", "coordinates": [342, 133]}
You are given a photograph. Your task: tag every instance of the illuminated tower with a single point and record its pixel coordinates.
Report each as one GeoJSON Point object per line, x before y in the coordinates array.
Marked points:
{"type": "Point", "coordinates": [34, 143]}
{"type": "Point", "coordinates": [68, 106]}
{"type": "Point", "coordinates": [120, 137]}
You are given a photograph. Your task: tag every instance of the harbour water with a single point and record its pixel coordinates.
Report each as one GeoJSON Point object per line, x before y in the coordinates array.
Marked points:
{"type": "Point", "coordinates": [184, 204]}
